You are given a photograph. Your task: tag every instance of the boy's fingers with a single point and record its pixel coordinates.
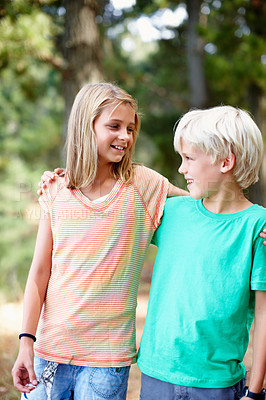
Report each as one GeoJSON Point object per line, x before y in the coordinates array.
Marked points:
{"type": "Point", "coordinates": [58, 171]}
{"type": "Point", "coordinates": [48, 176]}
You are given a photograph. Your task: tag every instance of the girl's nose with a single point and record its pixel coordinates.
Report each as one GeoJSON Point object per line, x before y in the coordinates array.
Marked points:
{"type": "Point", "coordinates": [123, 134]}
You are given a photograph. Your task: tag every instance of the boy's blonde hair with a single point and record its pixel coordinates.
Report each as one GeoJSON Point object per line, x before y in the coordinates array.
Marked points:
{"type": "Point", "coordinates": [81, 144]}
{"type": "Point", "coordinates": [221, 131]}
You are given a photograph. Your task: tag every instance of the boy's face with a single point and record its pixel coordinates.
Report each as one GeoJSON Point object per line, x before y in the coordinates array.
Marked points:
{"type": "Point", "coordinates": [203, 177]}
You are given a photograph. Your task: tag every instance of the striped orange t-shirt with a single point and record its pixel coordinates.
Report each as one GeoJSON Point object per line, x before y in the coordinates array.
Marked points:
{"type": "Point", "coordinates": [88, 317]}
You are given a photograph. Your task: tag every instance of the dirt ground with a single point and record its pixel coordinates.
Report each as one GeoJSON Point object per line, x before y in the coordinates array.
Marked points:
{"type": "Point", "coordinates": [11, 316]}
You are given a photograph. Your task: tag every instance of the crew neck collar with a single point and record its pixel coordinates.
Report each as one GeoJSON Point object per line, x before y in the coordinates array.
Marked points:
{"type": "Point", "coordinates": [210, 214]}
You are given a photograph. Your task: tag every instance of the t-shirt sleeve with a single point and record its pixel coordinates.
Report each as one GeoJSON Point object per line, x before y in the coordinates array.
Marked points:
{"type": "Point", "coordinates": [153, 188]}
{"type": "Point", "coordinates": [258, 275]}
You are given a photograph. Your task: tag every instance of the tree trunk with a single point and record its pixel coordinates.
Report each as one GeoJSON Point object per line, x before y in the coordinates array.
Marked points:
{"type": "Point", "coordinates": [196, 76]}
{"type": "Point", "coordinates": [257, 192]}
{"type": "Point", "coordinates": [80, 46]}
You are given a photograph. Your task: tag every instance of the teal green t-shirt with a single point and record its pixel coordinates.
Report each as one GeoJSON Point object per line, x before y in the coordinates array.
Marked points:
{"type": "Point", "coordinates": [201, 302]}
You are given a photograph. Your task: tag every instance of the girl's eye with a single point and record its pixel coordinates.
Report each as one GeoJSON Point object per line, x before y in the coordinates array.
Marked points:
{"type": "Point", "coordinates": [130, 130]}
{"type": "Point", "coordinates": [113, 126]}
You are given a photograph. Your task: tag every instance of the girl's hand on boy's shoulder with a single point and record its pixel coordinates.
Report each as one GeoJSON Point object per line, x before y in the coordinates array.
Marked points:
{"type": "Point", "coordinates": [48, 177]}
{"type": "Point", "coordinates": [263, 235]}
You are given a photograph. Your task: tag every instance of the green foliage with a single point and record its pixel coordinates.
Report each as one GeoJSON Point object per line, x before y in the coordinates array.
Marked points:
{"type": "Point", "coordinates": [26, 33]}
{"type": "Point", "coordinates": [19, 214]}
{"type": "Point", "coordinates": [31, 114]}
{"type": "Point", "coordinates": [31, 130]}
{"type": "Point", "coordinates": [237, 31]}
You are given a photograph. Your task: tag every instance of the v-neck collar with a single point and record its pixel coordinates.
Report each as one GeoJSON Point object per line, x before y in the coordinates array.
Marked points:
{"type": "Point", "coordinates": [103, 204]}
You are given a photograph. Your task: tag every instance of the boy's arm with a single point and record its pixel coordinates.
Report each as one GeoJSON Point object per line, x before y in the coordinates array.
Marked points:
{"type": "Point", "coordinates": [23, 370]}
{"type": "Point", "coordinates": [175, 191]}
{"type": "Point", "coordinates": [258, 370]}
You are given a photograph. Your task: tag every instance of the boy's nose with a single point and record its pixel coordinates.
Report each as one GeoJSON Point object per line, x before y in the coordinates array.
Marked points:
{"type": "Point", "coordinates": [181, 169]}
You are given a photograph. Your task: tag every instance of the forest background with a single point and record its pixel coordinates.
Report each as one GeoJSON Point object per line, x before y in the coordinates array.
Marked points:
{"type": "Point", "coordinates": [170, 55]}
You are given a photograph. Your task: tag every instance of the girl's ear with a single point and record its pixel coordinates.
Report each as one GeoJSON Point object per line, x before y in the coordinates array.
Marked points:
{"type": "Point", "coordinates": [228, 163]}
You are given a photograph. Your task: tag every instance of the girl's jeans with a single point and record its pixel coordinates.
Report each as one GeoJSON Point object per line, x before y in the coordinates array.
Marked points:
{"type": "Point", "coordinates": [154, 389]}
{"type": "Point", "coordinates": [72, 382]}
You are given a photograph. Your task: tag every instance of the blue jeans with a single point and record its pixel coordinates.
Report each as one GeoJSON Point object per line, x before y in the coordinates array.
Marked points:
{"type": "Point", "coordinates": [72, 382]}
{"type": "Point", "coordinates": [154, 389]}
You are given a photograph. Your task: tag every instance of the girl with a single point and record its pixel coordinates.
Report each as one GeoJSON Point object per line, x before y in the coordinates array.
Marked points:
{"type": "Point", "coordinates": [95, 228]}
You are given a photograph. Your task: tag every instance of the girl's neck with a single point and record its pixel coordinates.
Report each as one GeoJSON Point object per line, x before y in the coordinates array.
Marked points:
{"type": "Point", "coordinates": [102, 185]}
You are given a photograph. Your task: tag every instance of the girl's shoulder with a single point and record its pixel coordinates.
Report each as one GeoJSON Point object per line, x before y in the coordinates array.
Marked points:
{"type": "Point", "coordinates": [56, 185]}
{"type": "Point", "coordinates": [51, 190]}
{"type": "Point", "coordinates": [144, 173]}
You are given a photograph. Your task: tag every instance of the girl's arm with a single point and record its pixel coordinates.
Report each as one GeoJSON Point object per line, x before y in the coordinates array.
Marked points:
{"type": "Point", "coordinates": [175, 191]}
{"type": "Point", "coordinates": [23, 370]}
{"type": "Point", "coordinates": [258, 370]}
{"type": "Point", "coordinates": [263, 235]}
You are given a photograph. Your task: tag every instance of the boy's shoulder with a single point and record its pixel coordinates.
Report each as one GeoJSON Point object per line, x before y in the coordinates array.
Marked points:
{"type": "Point", "coordinates": [177, 201]}
{"type": "Point", "coordinates": [258, 214]}
{"type": "Point", "coordinates": [179, 207]}
{"type": "Point", "coordinates": [257, 211]}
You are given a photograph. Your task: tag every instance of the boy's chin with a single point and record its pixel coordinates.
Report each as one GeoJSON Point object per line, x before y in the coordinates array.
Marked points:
{"type": "Point", "coordinates": [195, 196]}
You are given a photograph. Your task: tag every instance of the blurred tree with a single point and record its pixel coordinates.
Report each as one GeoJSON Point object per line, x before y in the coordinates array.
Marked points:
{"type": "Point", "coordinates": [224, 45]}
{"type": "Point", "coordinates": [195, 60]}
{"type": "Point", "coordinates": [30, 107]}
{"type": "Point", "coordinates": [235, 34]}
{"type": "Point", "coordinates": [64, 34]}
{"type": "Point", "coordinates": [80, 46]}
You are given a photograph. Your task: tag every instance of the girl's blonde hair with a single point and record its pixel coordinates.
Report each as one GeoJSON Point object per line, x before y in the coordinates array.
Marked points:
{"type": "Point", "coordinates": [221, 131]}
{"type": "Point", "coordinates": [81, 145]}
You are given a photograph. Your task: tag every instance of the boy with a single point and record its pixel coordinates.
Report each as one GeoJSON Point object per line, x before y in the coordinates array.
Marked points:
{"type": "Point", "coordinates": [210, 270]}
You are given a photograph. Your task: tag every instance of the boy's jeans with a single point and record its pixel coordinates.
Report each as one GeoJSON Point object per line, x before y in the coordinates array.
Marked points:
{"type": "Point", "coordinates": [73, 382]}
{"type": "Point", "coordinates": [154, 389]}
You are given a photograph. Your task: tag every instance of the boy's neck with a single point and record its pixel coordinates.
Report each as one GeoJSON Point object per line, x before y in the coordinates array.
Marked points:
{"type": "Point", "coordinates": [229, 201]}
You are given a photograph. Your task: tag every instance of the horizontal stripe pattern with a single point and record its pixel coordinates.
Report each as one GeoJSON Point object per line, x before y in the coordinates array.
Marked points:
{"type": "Point", "coordinates": [98, 252]}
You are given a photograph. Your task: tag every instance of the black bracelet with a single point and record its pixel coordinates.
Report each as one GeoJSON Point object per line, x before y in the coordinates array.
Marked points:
{"type": "Point", "coordinates": [255, 396]}
{"type": "Point", "coordinates": [27, 335]}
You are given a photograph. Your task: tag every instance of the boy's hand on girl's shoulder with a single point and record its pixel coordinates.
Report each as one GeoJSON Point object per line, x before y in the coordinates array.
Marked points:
{"type": "Point", "coordinates": [263, 235]}
{"type": "Point", "coordinates": [49, 176]}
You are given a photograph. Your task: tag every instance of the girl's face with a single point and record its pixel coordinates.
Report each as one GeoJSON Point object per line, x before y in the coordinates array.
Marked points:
{"type": "Point", "coordinates": [114, 129]}
{"type": "Point", "coordinates": [202, 175]}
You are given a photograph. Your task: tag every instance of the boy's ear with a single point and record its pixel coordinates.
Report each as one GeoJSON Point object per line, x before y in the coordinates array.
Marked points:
{"type": "Point", "coordinates": [228, 163]}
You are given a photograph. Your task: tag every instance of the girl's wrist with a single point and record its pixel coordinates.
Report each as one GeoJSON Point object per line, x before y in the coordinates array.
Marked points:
{"type": "Point", "coordinates": [28, 336]}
